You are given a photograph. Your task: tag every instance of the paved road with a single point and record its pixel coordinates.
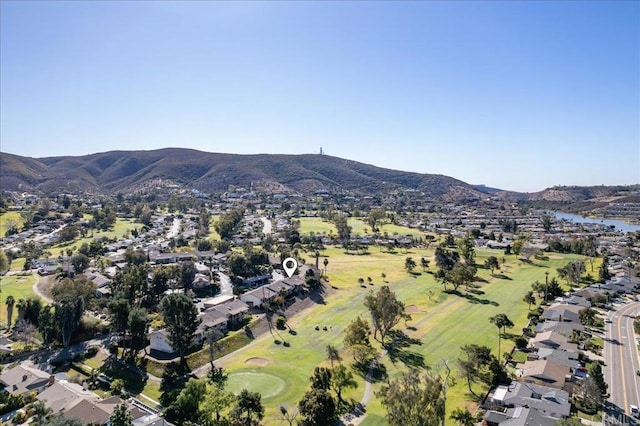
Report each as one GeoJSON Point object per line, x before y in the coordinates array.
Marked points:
{"type": "Point", "coordinates": [175, 228]}
{"type": "Point", "coordinates": [36, 289]}
{"type": "Point", "coordinates": [226, 288]}
{"type": "Point", "coordinates": [266, 229]}
{"type": "Point", "coordinates": [621, 354]}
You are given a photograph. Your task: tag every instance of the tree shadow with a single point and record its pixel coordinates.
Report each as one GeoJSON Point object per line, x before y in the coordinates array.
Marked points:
{"type": "Point", "coordinates": [473, 397]}
{"type": "Point", "coordinates": [317, 296]}
{"type": "Point", "coordinates": [346, 406]}
{"type": "Point", "coordinates": [398, 350]}
{"type": "Point", "coordinates": [509, 336]}
{"type": "Point", "coordinates": [134, 378]}
{"type": "Point", "coordinates": [475, 300]}
{"type": "Point", "coordinates": [503, 277]}
{"type": "Point", "coordinates": [378, 372]}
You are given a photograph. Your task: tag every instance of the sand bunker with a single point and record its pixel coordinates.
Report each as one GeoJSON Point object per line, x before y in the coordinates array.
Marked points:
{"type": "Point", "coordinates": [257, 361]}
{"type": "Point", "coordinates": [413, 309]}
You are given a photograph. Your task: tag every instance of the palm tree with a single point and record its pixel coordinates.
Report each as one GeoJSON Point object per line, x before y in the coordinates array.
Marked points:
{"type": "Point", "coordinates": [462, 417]}
{"type": "Point", "coordinates": [501, 321]}
{"type": "Point", "coordinates": [10, 302]}
{"type": "Point", "coordinates": [22, 307]}
{"type": "Point", "coordinates": [529, 299]}
{"type": "Point", "coordinates": [332, 354]}
{"type": "Point", "coordinates": [325, 262]}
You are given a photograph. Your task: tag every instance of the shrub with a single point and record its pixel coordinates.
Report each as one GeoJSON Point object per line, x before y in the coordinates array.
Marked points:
{"type": "Point", "coordinates": [280, 323]}
{"type": "Point", "coordinates": [117, 386]}
{"type": "Point", "coordinates": [521, 342]}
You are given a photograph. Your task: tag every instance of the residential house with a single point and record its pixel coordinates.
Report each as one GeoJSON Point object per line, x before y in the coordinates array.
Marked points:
{"type": "Point", "coordinates": [23, 378]}
{"type": "Point", "coordinates": [518, 416]}
{"type": "Point", "coordinates": [553, 340]}
{"type": "Point", "coordinates": [549, 401]}
{"type": "Point", "coordinates": [62, 394]}
{"type": "Point", "coordinates": [257, 281]}
{"type": "Point", "coordinates": [159, 341]}
{"type": "Point", "coordinates": [545, 372]}
{"type": "Point", "coordinates": [258, 297]}
{"type": "Point", "coordinates": [562, 312]}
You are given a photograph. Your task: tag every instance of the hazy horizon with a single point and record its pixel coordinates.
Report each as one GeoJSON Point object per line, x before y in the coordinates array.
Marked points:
{"type": "Point", "coordinates": [515, 95]}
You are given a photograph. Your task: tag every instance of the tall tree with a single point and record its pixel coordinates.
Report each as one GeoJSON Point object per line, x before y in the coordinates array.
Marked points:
{"type": "Point", "coordinates": [187, 274]}
{"type": "Point", "coordinates": [10, 302]}
{"type": "Point", "coordinates": [409, 264]}
{"type": "Point", "coordinates": [332, 354]}
{"type": "Point", "coordinates": [4, 263]}
{"type": "Point", "coordinates": [181, 319]}
{"type": "Point", "coordinates": [186, 406]}
{"type": "Point", "coordinates": [412, 399]}
{"type": "Point", "coordinates": [554, 289]}
{"type": "Point", "coordinates": [572, 271]}
{"type": "Point", "coordinates": [68, 313]}
{"type": "Point", "coordinates": [386, 311]}
{"type": "Point", "coordinates": [121, 416]}
{"type": "Point", "coordinates": [321, 378]}
{"type": "Point", "coordinates": [462, 417]}
{"type": "Point", "coordinates": [248, 408]}
{"type": "Point", "coordinates": [529, 299]}
{"type": "Point", "coordinates": [344, 230]}
{"type": "Point", "coordinates": [477, 365]}
{"type": "Point", "coordinates": [467, 250]}
{"type": "Point", "coordinates": [603, 271]}
{"type": "Point", "coordinates": [357, 332]}
{"type": "Point", "coordinates": [461, 274]}
{"type": "Point", "coordinates": [341, 379]}
{"type": "Point", "coordinates": [79, 288]}
{"type": "Point", "coordinates": [424, 263]}
{"type": "Point", "coordinates": [501, 321]}
{"type": "Point", "coordinates": [492, 263]}
{"type": "Point", "coordinates": [46, 324]}
{"type": "Point", "coordinates": [215, 401]}
{"type": "Point", "coordinates": [318, 408]}
{"type": "Point", "coordinates": [119, 314]}
{"type": "Point", "coordinates": [138, 327]}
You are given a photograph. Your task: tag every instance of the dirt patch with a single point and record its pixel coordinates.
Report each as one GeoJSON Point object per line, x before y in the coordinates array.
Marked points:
{"type": "Point", "coordinates": [257, 361]}
{"type": "Point", "coordinates": [413, 309]}
{"type": "Point", "coordinates": [553, 256]}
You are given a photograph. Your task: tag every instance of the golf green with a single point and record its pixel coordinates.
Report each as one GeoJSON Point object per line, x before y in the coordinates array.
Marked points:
{"type": "Point", "coordinates": [266, 384]}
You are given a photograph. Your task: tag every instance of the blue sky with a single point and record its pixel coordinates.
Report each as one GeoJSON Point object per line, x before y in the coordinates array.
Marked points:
{"type": "Point", "coordinates": [516, 95]}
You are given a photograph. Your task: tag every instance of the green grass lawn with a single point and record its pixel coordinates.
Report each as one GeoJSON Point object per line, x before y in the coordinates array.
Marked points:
{"type": "Point", "coordinates": [20, 287]}
{"type": "Point", "coordinates": [317, 226]}
{"type": "Point", "coordinates": [6, 218]}
{"type": "Point", "coordinates": [442, 322]}
{"type": "Point", "coordinates": [120, 229]}
{"type": "Point", "coordinates": [213, 234]}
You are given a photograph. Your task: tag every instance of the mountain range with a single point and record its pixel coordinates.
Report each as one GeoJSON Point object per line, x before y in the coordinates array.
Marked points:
{"type": "Point", "coordinates": [128, 171]}
{"type": "Point", "coordinates": [131, 171]}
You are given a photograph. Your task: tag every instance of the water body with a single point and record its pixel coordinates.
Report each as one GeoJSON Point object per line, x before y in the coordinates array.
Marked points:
{"type": "Point", "coordinates": [618, 224]}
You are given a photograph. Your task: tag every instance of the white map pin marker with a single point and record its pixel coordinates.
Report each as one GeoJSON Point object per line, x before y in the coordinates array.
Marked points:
{"type": "Point", "coordinates": [290, 265]}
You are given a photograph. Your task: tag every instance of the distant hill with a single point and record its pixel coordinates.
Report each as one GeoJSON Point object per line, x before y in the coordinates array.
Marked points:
{"type": "Point", "coordinates": [604, 201]}
{"type": "Point", "coordinates": [487, 189]}
{"type": "Point", "coordinates": [126, 171]}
